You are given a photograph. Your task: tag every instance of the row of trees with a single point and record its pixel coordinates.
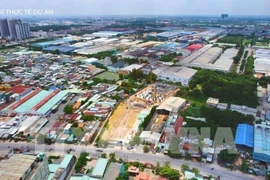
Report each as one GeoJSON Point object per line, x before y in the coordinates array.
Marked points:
{"type": "Point", "coordinates": [231, 39]}
{"type": "Point", "coordinates": [239, 55]}
{"type": "Point", "coordinates": [102, 55]}
{"type": "Point", "coordinates": [81, 162]}
{"type": "Point", "coordinates": [249, 66]}
{"type": "Point", "coordinates": [148, 118]}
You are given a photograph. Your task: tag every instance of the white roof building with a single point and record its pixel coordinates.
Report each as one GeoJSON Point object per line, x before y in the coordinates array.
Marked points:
{"type": "Point", "coordinates": [131, 67]}
{"type": "Point", "coordinates": [175, 74]}
{"type": "Point", "coordinates": [150, 137]}
{"type": "Point", "coordinates": [172, 104]}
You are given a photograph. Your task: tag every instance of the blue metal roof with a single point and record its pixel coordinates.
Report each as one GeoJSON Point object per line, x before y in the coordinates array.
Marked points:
{"type": "Point", "coordinates": [245, 135]}
{"type": "Point", "coordinates": [62, 49]}
{"type": "Point", "coordinates": [261, 149]}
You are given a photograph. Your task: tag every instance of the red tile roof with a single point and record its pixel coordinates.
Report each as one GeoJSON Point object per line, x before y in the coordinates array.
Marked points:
{"type": "Point", "coordinates": [194, 47]}
{"type": "Point", "coordinates": [18, 89]}
{"type": "Point", "coordinates": [178, 125]}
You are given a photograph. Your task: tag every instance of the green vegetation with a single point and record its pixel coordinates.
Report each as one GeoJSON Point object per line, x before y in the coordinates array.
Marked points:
{"type": "Point", "coordinates": [103, 143]}
{"type": "Point", "coordinates": [169, 57]}
{"type": "Point", "coordinates": [225, 157]}
{"type": "Point", "coordinates": [263, 44]}
{"type": "Point", "coordinates": [103, 155]}
{"type": "Point", "coordinates": [263, 81]}
{"type": "Point", "coordinates": [239, 55]}
{"type": "Point", "coordinates": [249, 66]}
{"type": "Point", "coordinates": [231, 39]}
{"type": "Point", "coordinates": [81, 162]}
{"type": "Point", "coordinates": [184, 167]}
{"type": "Point", "coordinates": [195, 170]}
{"type": "Point", "coordinates": [193, 111]}
{"type": "Point", "coordinates": [112, 157]}
{"type": "Point", "coordinates": [110, 76]}
{"type": "Point", "coordinates": [148, 118]}
{"type": "Point", "coordinates": [167, 172]}
{"type": "Point", "coordinates": [135, 141]}
{"type": "Point", "coordinates": [246, 42]}
{"type": "Point", "coordinates": [50, 159]}
{"type": "Point", "coordinates": [102, 55]}
{"type": "Point", "coordinates": [68, 109]}
{"type": "Point", "coordinates": [242, 66]}
{"type": "Point", "coordinates": [244, 167]}
{"type": "Point", "coordinates": [228, 87]}
{"type": "Point", "coordinates": [145, 149]}
{"type": "Point", "coordinates": [245, 55]}
{"type": "Point", "coordinates": [219, 118]}
{"type": "Point", "coordinates": [130, 60]}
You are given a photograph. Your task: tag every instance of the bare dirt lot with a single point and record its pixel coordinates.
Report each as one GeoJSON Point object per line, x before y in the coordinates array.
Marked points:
{"type": "Point", "coordinates": [125, 115]}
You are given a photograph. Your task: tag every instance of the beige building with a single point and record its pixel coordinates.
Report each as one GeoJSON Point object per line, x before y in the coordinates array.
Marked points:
{"type": "Point", "coordinates": [22, 166]}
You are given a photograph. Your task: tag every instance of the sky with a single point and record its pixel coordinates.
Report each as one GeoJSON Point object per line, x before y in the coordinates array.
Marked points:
{"type": "Point", "coordinates": [135, 7]}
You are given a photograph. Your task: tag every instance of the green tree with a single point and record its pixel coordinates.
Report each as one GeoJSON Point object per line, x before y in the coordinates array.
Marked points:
{"type": "Point", "coordinates": [225, 157]}
{"type": "Point", "coordinates": [41, 138]}
{"type": "Point", "coordinates": [121, 76]}
{"type": "Point", "coordinates": [245, 166]}
{"type": "Point", "coordinates": [112, 157]}
{"type": "Point", "coordinates": [184, 167]}
{"type": "Point", "coordinates": [195, 170]}
{"type": "Point", "coordinates": [136, 140]}
{"type": "Point", "coordinates": [57, 51]}
{"type": "Point", "coordinates": [145, 149]}
{"type": "Point", "coordinates": [103, 143]}
{"type": "Point", "coordinates": [104, 155]}
{"type": "Point", "coordinates": [68, 109]}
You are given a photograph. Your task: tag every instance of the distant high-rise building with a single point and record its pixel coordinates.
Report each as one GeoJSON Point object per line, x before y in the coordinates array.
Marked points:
{"type": "Point", "coordinates": [224, 16]}
{"type": "Point", "coordinates": [4, 28]}
{"type": "Point", "coordinates": [12, 28]}
{"type": "Point", "coordinates": [22, 30]}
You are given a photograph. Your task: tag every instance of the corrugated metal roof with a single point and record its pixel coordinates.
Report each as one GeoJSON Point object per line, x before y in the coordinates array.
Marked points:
{"type": "Point", "coordinates": [100, 167]}
{"type": "Point", "coordinates": [245, 135]}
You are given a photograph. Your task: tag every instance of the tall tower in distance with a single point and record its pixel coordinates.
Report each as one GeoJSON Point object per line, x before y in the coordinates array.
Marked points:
{"type": "Point", "coordinates": [12, 28]}
{"type": "Point", "coordinates": [224, 16]}
{"type": "Point", "coordinates": [4, 28]}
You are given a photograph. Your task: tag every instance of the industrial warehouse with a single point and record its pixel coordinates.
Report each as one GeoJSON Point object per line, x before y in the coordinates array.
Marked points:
{"type": "Point", "coordinates": [212, 58]}
{"type": "Point", "coordinates": [38, 102]}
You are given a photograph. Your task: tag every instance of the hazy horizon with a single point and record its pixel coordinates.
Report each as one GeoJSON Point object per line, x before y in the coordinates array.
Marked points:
{"type": "Point", "coordinates": [136, 7]}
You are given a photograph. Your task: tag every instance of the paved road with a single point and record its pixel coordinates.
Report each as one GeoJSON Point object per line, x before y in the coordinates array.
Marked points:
{"type": "Point", "coordinates": [242, 58]}
{"type": "Point", "coordinates": [135, 155]}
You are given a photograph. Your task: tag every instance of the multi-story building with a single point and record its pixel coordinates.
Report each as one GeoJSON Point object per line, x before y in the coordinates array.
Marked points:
{"type": "Point", "coordinates": [22, 30]}
{"type": "Point", "coordinates": [12, 28]}
{"type": "Point", "coordinates": [4, 31]}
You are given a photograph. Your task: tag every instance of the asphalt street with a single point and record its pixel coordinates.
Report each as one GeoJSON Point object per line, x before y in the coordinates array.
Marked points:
{"type": "Point", "coordinates": [133, 155]}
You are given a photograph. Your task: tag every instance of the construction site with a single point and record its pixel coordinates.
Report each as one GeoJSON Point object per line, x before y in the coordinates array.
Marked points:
{"type": "Point", "coordinates": [122, 122]}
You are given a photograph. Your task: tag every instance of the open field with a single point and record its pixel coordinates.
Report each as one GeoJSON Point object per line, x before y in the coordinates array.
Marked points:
{"type": "Point", "coordinates": [110, 76]}
{"type": "Point", "coordinates": [121, 123]}
{"type": "Point", "coordinates": [262, 44]}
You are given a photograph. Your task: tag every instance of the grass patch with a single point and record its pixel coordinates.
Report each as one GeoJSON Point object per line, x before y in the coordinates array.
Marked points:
{"type": "Point", "coordinates": [110, 76]}
{"type": "Point", "coordinates": [198, 101]}
{"type": "Point", "coordinates": [246, 42]}
{"type": "Point", "coordinates": [262, 44]}
{"type": "Point", "coordinates": [193, 111]}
